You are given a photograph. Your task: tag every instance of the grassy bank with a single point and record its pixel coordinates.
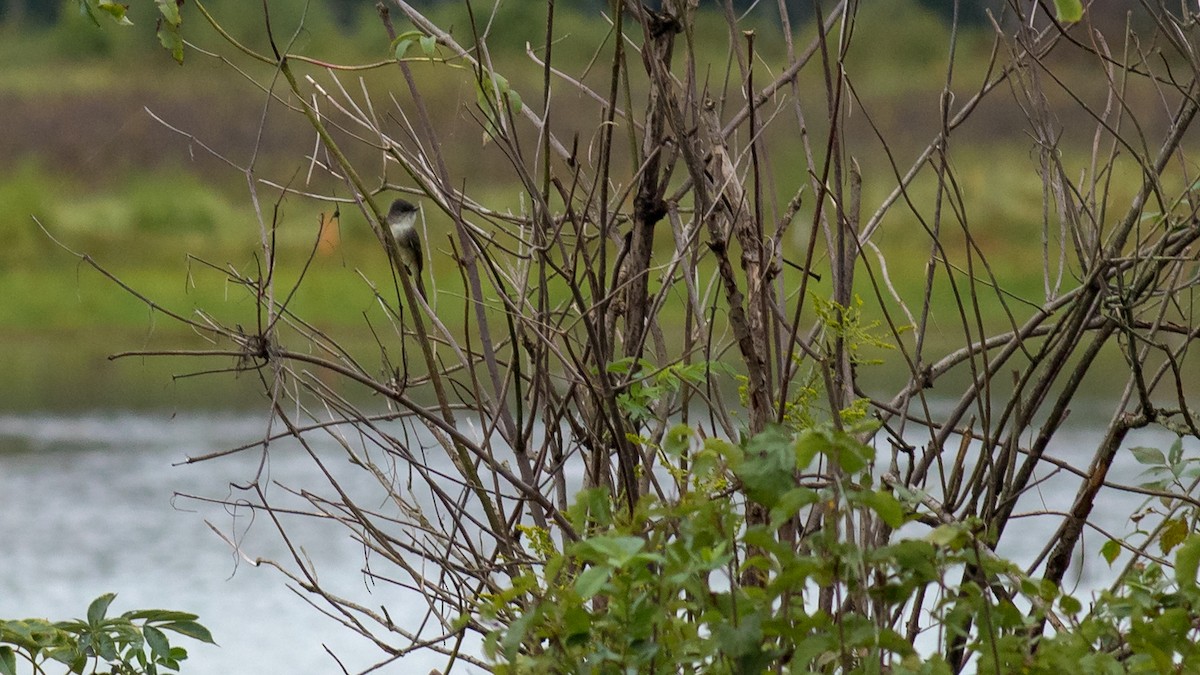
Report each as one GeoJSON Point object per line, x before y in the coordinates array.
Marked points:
{"type": "Point", "coordinates": [108, 180]}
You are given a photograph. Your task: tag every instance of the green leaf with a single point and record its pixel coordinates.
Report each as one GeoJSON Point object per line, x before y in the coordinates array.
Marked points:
{"type": "Point", "coordinates": [850, 454]}
{"type": "Point", "coordinates": [159, 615]}
{"type": "Point", "coordinates": [98, 608]}
{"type": "Point", "coordinates": [159, 645]}
{"type": "Point", "coordinates": [887, 506]}
{"type": "Point", "coordinates": [678, 440]}
{"type": "Point", "coordinates": [809, 444]}
{"type": "Point", "coordinates": [742, 640]}
{"type": "Point", "coordinates": [116, 10]}
{"type": "Point", "coordinates": [791, 502]}
{"type": "Point", "coordinates": [486, 89]}
{"type": "Point", "coordinates": [1149, 456]}
{"type": "Point", "coordinates": [514, 99]}
{"type": "Point", "coordinates": [85, 9]}
{"type": "Point", "coordinates": [705, 463]}
{"type": "Point", "coordinates": [1070, 604]}
{"type": "Point", "coordinates": [170, 39]}
{"type": "Point", "coordinates": [105, 646]}
{"type": "Point", "coordinates": [494, 94]}
{"type": "Point", "coordinates": [950, 535]}
{"type": "Point", "coordinates": [769, 465]}
{"type": "Point", "coordinates": [1030, 587]}
{"type": "Point", "coordinates": [491, 644]}
{"type": "Point", "coordinates": [512, 640]}
{"type": "Point", "coordinates": [1176, 452]}
{"type": "Point", "coordinates": [1187, 560]}
{"type": "Point", "coordinates": [401, 47]}
{"type": "Point", "coordinates": [8, 660]}
{"type": "Point", "coordinates": [1047, 590]}
{"type": "Point", "coordinates": [591, 580]}
{"type": "Point", "coordinates": [731, 453]}
{"type": "Point", "coordinates": [1110, 550]}
{"type": "Point", "coordinates": [916, 557]}
{"type": "Point", "coordinates": [429, 45]}
{"type": "Point", "coordinates": [621, 366]}
{"type": "Point", "coordinates": [578, 624]}
{"type": "Point", "coordinates": [591, 507]}
{"type": "Point", "coordinates": [1007, 615]}
{"type": "Point", "coordinates": [124, 632]}
{"type": "Point", "coordinates": [1068, 11]}
{"type": "Point", "coordinates": [1174, 531]}
{"type": "Point", "coordinates": [170, 11]}
{"type": "Point", "coordinates": [190, 629]}
{"type": "Point", "coordinates": [403, 41]}
{"type": "Point", "coordinates": [615, 551]}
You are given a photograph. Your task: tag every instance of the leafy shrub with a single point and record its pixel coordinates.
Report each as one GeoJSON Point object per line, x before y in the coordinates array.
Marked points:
{"type": "Point", "coordinates": [664, 590]}
{"type": "Point", "coordinates": [130, 644]}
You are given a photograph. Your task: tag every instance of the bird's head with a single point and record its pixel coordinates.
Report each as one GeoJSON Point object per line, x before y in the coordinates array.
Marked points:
{"type": "Point", "coordinates": [402, 215]}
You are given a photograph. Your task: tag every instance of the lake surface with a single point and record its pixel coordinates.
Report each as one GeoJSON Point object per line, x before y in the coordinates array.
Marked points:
{"type": "Point", "coordinates": [86, 507]}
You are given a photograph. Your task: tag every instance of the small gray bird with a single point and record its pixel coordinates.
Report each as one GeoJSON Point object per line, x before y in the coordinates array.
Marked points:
{"type": "Point", "coordinates": [402, 219]}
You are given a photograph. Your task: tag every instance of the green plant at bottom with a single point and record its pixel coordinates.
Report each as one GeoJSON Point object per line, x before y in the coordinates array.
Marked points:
{"type": "Point", "coordinates": [133, 643]}
{"type": "Point", "coordinates": [662, 591]}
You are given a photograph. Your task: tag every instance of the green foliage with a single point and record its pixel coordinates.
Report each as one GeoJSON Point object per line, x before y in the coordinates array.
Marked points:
{"type": "Point", "coordinates": [1169, 470]}
{"type": "Point", "coordinates": [133, 643]}
{"type": "Point", "coordinates": [663, 590]}
{"type": "Point", "coordinates": [849, 324]}
{"type": "Point", "coordinates": [407, 39]}
{"type": "Point", "coordinates": [167, 24]}
{"type": "Point", "coordinates": [168, 28]}
{"type": "Point", "coordinates": [1068, 11]}
{"type": "Point", "coordinates": [659, 591]}
{"type": "Point", "coordinates": [299, 19]}
{"type": "Point", "coordinates": [1146, 625]}
{"type": "Point", "coordinates": [644, 392]}
{"type": "Point", "coordinates": [496, 100]}
{"type": "Point", "coordinates": [76, 34]}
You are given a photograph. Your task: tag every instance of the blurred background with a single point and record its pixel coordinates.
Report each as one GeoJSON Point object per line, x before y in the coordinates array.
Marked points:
{"type": "Point", "coordinates": [81, 151]}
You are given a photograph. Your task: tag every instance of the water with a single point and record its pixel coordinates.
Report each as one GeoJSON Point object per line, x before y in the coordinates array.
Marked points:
{"type": "Point", "coordinates": [86, 507]}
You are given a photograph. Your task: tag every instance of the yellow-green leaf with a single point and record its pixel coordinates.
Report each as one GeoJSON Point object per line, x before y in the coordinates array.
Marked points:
{"type": "Point", "coordinates": [590, 581]}
{"type": "Point", "coordinates": [1110, 550]}
{"type": "Point", "coordinates": [117, 11]}
{"type": "Point", "coordinates": [1068, 11]}
{"type": "Point", "coordinates": [1187, 560]}
{"type": "Point", "coordinates": [169, 38]}
{"type": "Point", "coordinates": [1174, 532]}
{"type": "Point", "coordinates": [429, 45]}
{"type": "Point", "coordinates": [887, 506]}
{"type": "Point", "coordinates": [170, 11]}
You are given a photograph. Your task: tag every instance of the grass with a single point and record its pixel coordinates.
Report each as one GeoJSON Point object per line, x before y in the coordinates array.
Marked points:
{"type": "Point", "coordinates": [144, 211]}
{"type": "Point", "coordinates": [146, 228]}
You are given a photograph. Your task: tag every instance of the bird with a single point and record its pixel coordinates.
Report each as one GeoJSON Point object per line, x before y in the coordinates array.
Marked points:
{"type": "Point", "coordinates": [402, 220]}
